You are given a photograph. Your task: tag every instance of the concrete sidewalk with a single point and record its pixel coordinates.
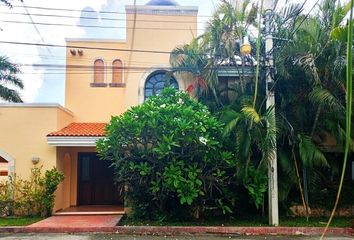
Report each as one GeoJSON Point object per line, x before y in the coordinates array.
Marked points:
{"type": "Point", "coordinates": [73, 224]}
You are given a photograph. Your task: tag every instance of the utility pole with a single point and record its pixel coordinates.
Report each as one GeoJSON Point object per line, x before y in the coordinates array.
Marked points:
{"type": "Point", "coordinates": [272, 165]}
{"type": "Point", "coordinates": [237, 4]}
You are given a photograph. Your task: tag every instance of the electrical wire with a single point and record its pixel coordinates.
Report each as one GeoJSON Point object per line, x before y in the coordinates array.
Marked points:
{"type": "Point", "coordinates": [91, 67]}
{"type": "Point", "coordinates": [132, 42]}
{"type": "Point", "coordinates": [96, 48]}
{"type": "Point", "coordinates": [100, 18]}
{"type": "Point", "coordinates": [35, 27]}
{"type": "Point", "coordinates": [92, 26]}
{"type": "Point", "coordinates": [292, 34]}
{"type": "Point", "coordinates": [81, 59]}
{"type": "Point", "coordinates": [86, 10]}
{"type": "Point", "coordinates": [83, 47]}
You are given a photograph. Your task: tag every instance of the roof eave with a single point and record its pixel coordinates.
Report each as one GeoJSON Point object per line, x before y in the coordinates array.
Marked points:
{"type": "Point", "coordinates": [235, 71]}
{"type": "Point", "coordinates": [70, 141]}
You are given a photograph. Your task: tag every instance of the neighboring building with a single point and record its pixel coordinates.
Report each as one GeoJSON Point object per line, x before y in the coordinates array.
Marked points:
{"type": "Point", "coordinates": [4, 171]}
{"type": "Point", "coordinates": [103, 78]}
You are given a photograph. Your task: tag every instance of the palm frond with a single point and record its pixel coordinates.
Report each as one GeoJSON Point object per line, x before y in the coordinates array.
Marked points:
{"type": "Point", "coordinates": [9, 81]}
{"type": "Point", "coordinates": [231, 118]}
{"type": "Point", "coordinates": [251, 113]}
{"type": "Point", "coordinates": [9, 95]}
{"type": "Point", "coordinates": [309, 153]}
{"type": "Point", "coordinates": [321, 96]}
{"type": "Point", "coordinates": [309, 64]}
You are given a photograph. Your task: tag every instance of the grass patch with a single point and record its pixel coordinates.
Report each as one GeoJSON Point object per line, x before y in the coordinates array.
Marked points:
{"type": "Point", "coordinates": [18, 221]}
{"type": "Point", "coordinates": [250, 222]}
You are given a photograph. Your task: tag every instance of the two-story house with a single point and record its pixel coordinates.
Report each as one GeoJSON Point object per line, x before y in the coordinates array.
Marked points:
{"type": "Point", "coordinates": [103, 78]}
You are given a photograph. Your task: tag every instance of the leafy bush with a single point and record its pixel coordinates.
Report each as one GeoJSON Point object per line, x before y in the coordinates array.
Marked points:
{"type": "Point", "coordinates": [32, 197]}
{"type": "Point", "coordinates": [6, 202]}
{"type": "Point", "coordinates": [51, 181]}
{"type": "Point", "coordinates": [27, 194]}
{"type": "Point", "coordinates": [168, 154]}
{"type": "Point", "coordinates": [257, 185]}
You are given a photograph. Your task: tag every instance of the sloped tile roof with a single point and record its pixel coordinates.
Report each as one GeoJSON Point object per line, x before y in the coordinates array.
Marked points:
{"type": "Point", "coordinates": [81, 130]}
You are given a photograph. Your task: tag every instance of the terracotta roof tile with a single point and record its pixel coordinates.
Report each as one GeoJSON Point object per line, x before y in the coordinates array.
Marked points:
{"type": "Point", "coordinates": [81, 130]}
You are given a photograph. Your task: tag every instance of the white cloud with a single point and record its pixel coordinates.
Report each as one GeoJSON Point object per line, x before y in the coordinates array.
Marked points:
{"type": "Point", "coordinates": [27, 55]}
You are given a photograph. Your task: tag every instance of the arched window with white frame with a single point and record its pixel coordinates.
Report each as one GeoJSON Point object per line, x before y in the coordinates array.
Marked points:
{"type": "Point", "coordinates": [157, 81]}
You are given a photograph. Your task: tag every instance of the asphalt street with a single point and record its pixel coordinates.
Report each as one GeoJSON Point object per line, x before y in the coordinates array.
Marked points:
{"type": "Point", "coordinates": [120, 237]}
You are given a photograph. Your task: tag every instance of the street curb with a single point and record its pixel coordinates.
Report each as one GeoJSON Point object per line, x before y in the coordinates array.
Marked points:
{"type": "Point", "coordinates": [155, 230]}
{"type": "Point", "coordinates": [311, 231]}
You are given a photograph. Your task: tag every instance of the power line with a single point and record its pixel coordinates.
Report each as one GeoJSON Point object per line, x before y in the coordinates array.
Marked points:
{"type": "Point", "coordinates": [86, 10]}
{"type": "Point", "coordinates": [35, 27]}
{"type": "Point", "coordinates": [133, 36]}
{"type": "Point", "coordinates": [92, 26]}
{"type": "Point", "coordinates": [56, 57]}
{"type": "Point", "coordinates": [100, 48]}
{"type": "Point", "coordinates": [64, 73]}
{"type": "Point", "coordinates": [90, 67]}
{"type": "Point", "coordinates": [101, 18]}
{"type": "Point", "coordinates": [51, 69]}
{"type": "Point", "coordinates": [83, 47]}
{"type": "Point", "coordinates": [60, 72]}
{"type": "Point", "coordinates": [303, 20]}
{"type": "Point", "coordinates": [298, 27]}
{"type": "Point", "coordinates": [292, 34]}
{"type": "Point", "coordinates": [95, 48]}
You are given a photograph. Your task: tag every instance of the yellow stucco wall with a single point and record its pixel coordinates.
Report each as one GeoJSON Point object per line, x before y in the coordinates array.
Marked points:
{"type": "Point", "coordinates": [152, 33]}
{"type": "Point", "coordinates": [23, 132]}
{"type": "Point", "coordinates": [160, 33]}
{"type": "Point", "coordinates": [93, 104]}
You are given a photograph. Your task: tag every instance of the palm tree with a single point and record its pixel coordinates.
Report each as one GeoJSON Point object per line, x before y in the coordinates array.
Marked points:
{"type": "Point", "coordinates": [254, 146]}
{"type": "Point", "coordinates": [220, 44]}
{"type": "Point", "coordinates": [8, 80]}
{"type": "Point", "coordinates": [191, 60]}
{"type": "Point", "coordinates": [225, 33]}
{"type": "Point", "coordinates": [311, 79]}
{"type": "Point", "coordinates": [8, 73]}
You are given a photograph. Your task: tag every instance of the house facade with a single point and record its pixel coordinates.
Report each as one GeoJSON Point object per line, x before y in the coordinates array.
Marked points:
{"type": "Point", "coordinates": [103, 78]}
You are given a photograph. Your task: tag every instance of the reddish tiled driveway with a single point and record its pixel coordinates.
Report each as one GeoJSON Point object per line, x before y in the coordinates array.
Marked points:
{"type": "Point", "coordinates": [92, 223]}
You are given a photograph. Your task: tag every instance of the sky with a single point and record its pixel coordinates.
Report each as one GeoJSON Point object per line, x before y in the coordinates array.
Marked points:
{"type": "Point", "coordinates": [47, 86]}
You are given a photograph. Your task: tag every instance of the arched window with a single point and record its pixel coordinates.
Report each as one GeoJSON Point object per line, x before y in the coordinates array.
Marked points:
{"type": "Point", "coordinates": [158, 81]}
{"type": "Point", "coordinates": [117, 71]}
{"type": "Point", "coordinates": [98, 71]}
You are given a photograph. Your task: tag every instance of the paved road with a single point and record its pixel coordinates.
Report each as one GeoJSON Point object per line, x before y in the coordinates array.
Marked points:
{"type": "Point", "coordinates": [120, 237]}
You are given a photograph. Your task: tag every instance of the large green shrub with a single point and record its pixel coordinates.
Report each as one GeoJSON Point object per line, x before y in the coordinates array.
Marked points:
{"type": "Point", "coordinates": [168, 154]}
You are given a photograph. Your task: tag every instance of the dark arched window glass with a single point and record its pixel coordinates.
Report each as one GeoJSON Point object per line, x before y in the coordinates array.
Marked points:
{"type": "Point", "coordinates": [158, 81]}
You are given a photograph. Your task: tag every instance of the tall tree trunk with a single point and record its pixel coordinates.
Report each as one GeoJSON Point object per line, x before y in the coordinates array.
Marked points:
{"type": "Point", "coordinates": [304, 168]}
{"type": "Point", "coordinates": [299, 183]}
